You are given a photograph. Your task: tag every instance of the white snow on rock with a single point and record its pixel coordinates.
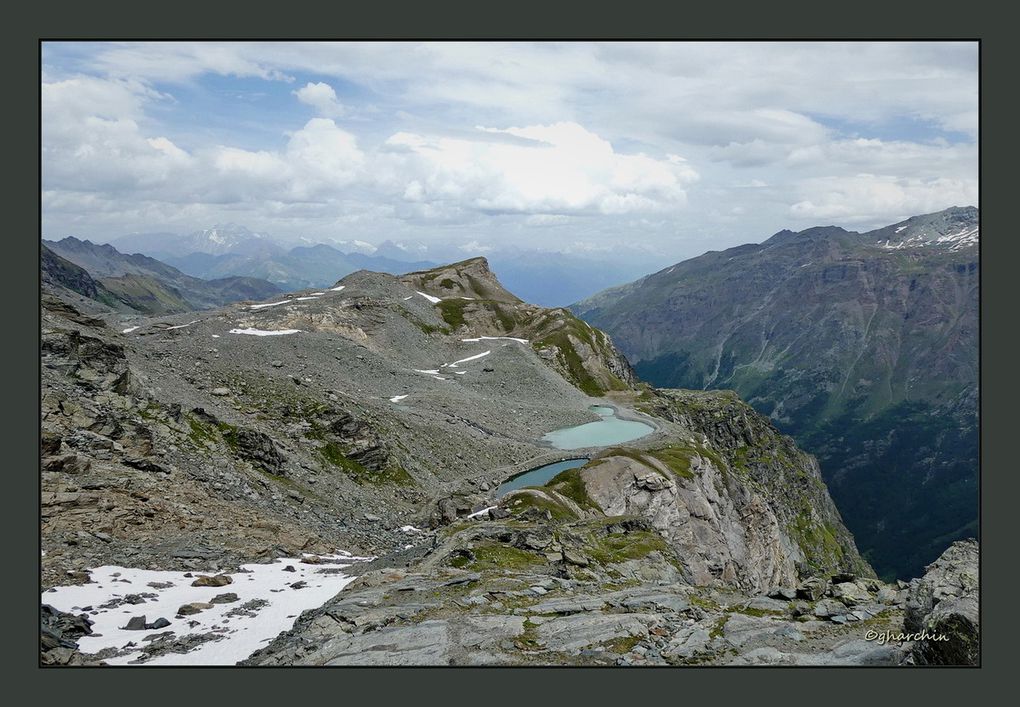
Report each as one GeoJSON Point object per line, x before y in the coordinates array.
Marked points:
{"type": "Point", "coordinates": [337, 288]}
{"type": "Point", "coordinates": [128, 330]}
{"type": "Point", "coordinates": [900, 229]}
{"type": "Point", "coordinates": [430, 298]}
{"type": "Point", "coordinates": [397, 398]}
{"type": "Point", "coordinates": [241, 635]}
{"type": "Point", "coordinates": [215, 336]}
{"type": "Point", "coordinates": [302, 299]}
{"type": "Point", "coordinates": [459, 373]}
{"type": "Point", "coordinates": [465, 360]}
{"type": "Point", "coordinates": [408, 297]}
{"type": "Point", "coordinates": [495, 338]}
{"type": "Point", "coordinates": [410, 529]}
{"type": "Point", "coordinates": [481, 512]}
{"type": "Point", "coordinates": [263, 332]}
{"type": "Point", "coordinates": [180, 326]}
{"type": "Point", "coordinates": [270, 304]}
{"type": "Point", "coordinates": [429, 372]}
{"type": "Point", "coordinates": [954, 241]}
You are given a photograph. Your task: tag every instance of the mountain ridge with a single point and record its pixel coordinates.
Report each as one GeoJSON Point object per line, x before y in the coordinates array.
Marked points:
{"type": "Point", "coordinates": [148, 285]}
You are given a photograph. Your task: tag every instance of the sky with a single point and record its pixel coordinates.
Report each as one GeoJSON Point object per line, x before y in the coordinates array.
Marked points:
{"type": "Point", "coordinates": [669, 149]}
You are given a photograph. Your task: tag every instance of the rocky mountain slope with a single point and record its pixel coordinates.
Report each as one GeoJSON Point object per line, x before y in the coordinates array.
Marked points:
{"type": "Point", "coordinates": [863, 346]}
{"type": "Point", "coordinates": [374, 417]}
{"type": "Point", "coordinates": [146, 285]}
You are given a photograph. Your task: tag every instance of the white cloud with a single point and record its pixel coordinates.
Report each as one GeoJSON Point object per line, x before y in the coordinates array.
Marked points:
{"type": "Point", "coordinates": [475, 247]}
{"type": "Point", "coordinates": [587, 139]}
{"type": "Point", "coordinates": [878, 199]}
{"type": "Point", "coordinates": [562, 167]}
{"type": "Point", "coordinates": [322, 97]}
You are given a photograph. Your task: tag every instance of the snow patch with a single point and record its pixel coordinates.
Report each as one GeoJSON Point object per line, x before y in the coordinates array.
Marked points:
{"type": "Point", "coordinates": [337, 288]}
{"type": "Point", "coordinates": [495, 338]}
{"type": "Point", "coordinates": [240, 635]}
{"type": "Point", "coordinates": [465, 360]}
{"type": "Point", "coordinates": [397, 398]}
{"type": "Point", "coordinates": [180, 326]}
{"type": "Point", "coordinates": [481, 512]}
{"type": "Point", "coordinates": [900, 229]}
{"type": "Point", "coordinates": [269, 304]}
{"type": "Point", "coordinates": [128, 330]}
{"type": "Point", "coordinates": [302, 299]}
{"type": "Point", "coordinates": [263, 332]}
{"type": "Point", "coordinates": [430, 298]}
{"type": "Point", "coordinates": [410, 529]}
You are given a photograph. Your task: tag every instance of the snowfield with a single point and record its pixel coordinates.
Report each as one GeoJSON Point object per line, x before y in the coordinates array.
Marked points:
{"type": "Point", "coordinates": [430, 298]}
{"type": "Point", "coordinates": [269, 599]}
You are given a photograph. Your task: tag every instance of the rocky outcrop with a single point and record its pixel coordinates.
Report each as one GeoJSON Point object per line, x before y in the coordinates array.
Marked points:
{"type": "Point", "coordinates": [774, 485]}
{"type": "Point", "coordinates": [471, 278]}
{"type": "Point", "coordinates": [58, 637]}
{"type": "Point", "coordinates": [725, 534]}
{"type": "Point", "coordinates": [943, 609]}
{"type": "Point", "coordinates": [547, 588]}
{"type": "Point", "coordinates": [471, 298]}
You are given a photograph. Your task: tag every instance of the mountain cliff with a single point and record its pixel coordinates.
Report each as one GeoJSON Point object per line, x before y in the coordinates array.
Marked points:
{"type": "Point", "coordinates": [863, 346]}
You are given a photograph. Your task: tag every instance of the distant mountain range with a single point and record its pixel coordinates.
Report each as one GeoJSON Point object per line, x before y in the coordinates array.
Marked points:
{"type": "Point", "coordinates": [298, 268]}
{"type": "Point", "coordinates": [137, 282]}
{"type": "Point", "coordinates": [863, 346]}
{"type": "Point", "coordinates": [547, 278]}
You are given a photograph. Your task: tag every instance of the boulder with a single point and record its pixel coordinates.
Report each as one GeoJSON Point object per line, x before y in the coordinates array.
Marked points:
{"type": "Point", "coordinates": [227, 598]}
{"type": "Point", "coordinates": [942, 607]}
{"type": "Point", "coordinates": [194, 607]}
{"type": "Point", "coordinates": [135, 623]}
{"type": "Point", "coordinates": [812, 589]}
{"type": "Point", "coordinates": [850, 593]}
{"type": "Point", "coordinates": [219, 580]}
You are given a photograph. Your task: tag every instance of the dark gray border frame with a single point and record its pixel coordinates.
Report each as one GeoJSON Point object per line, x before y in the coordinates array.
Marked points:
{"type": "Point", "coordinates": [451, 20]}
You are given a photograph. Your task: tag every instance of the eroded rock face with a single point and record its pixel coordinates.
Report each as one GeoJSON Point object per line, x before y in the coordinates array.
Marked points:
{"type": "Point", "coordinates": [723, 535]}
{"type": "Point", "coordinates": [759, 461]}
{"type": "Point", "coordinates": [943, 606]}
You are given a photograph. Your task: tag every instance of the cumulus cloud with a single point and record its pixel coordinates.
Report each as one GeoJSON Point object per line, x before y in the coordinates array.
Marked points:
{"type": "Point", "coordinates": [674, 143]}
{"type": "Point", "coordinates": [322, 97]}
{"type": "Point", "coordinates": [561, 167]}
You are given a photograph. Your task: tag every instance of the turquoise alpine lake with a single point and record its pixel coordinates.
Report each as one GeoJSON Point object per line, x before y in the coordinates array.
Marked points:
{"type": "Point", "coordinates": [609, 430]}
{"type": "Point", "coordinates": [538, 476]}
